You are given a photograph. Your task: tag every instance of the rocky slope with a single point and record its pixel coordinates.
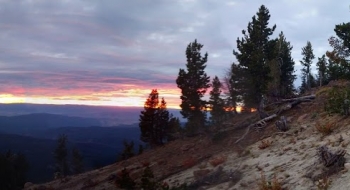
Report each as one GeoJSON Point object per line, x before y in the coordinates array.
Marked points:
{"type": "Point", "coordinates": [214, 161]}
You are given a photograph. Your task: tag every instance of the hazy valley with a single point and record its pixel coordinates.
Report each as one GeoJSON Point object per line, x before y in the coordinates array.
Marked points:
{"type": "Point", "coordinates": [98, 132]}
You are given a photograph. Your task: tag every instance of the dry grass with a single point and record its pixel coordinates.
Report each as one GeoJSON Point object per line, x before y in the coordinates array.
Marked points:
{"type": "Point", "coordinates": [326, 128]}
{"type": "Point", "coordinates": [323, 90]}
{"type": "Point", "coordinates": [269, 185]}
{"type": "Point", "coordinates": [264, 144]}
{"type": "Point", "coordinates": [324, 183]}
{"type": "Point", "coordinates": [292, 140]}
{"type": "Point", "coordinates": [217, 160]}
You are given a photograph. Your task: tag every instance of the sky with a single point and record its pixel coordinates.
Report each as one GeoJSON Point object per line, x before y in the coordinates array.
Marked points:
{"type": "Point", "coordinates": [114, 52]}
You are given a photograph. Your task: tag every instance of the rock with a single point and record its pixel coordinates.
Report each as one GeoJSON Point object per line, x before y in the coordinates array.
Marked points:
{"type": "Point", "coordinates": [347, 166]}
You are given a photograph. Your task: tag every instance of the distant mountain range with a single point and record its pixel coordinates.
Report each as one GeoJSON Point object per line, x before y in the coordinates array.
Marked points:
{"type": "Point", "coordinates": [103, 115]}
{"type": "Point", "coordinates": [97, 131]}
{"type": "Point", "coordinates": [23, 124]}
{"type": "Point", "coordinates": [35, 135]}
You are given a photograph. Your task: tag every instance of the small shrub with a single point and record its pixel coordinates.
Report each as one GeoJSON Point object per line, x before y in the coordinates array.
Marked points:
{"type": "Point", "coordinates": [326, 128]}
{"type": "Point", "coordinates": [323, 183]}
{"type": "Point", "coordinates": [217, 160]}
{"type": "Point", "coordinates": [269, 185]}
{"type": "Point", "coordinates": [338, 101]}
{"type": "Point", "coordinates": [147, 180]}
{"type": "Point", "coordinates": [264, 144]}
{"type": "Point", "coordinates": [124, 180]}
{"type": "Point", "coordinates": [292, 140]}
{"type": "Point", "coordinates": [314, 115]}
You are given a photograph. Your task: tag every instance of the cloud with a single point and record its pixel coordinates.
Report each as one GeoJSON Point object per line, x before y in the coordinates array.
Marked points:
{"type": "Point", "coordinates": [89, 51]}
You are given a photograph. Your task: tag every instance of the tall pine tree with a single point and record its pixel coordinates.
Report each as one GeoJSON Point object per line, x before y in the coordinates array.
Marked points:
{"type": "Point", "coordinates": [193, 83]}
{"type": "Point", "coordinates": [254, 51]}
{"type": "Point", "coordinates": [286, 65]}
{"type": "Point", "coordinates": [216, 102]}
{"type": "Point", "coordinates": [308, 56]}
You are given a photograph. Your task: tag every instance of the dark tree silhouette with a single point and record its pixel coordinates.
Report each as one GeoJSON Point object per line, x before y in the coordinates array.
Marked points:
{"type": "Point", "coordinates": [77, 161]}
{"type": "Point", "coordinates": [13, 169]}
{"type": "Point", "coordinates": [254, 51]}
{"type": "Point", "coordinates": [61, 156]}
{"type": "Point", "coordinates": [154, 120]}
{"type": "Point", "coordinates": [128, 150]}
{"type": "Point", "coordinates": [193, 83]}
{"type": "Point", "coordinates": [217, 104]}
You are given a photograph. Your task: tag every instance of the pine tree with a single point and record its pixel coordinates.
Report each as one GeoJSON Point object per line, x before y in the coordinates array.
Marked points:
{"type": "Point", "coordinates": [174, 129]}
{"type": "Point", "coordinates": [140, 149]}
{"type": "Point", "coordinates": [303, 86]}
{"type": "Point", "coordinates": [193, 84]}
{"type": "Point", "coordinates": [147, 180]}
{"type": "Point", "coordinates": [339, 56]}
{"type": "Point", "coordinates": [154, 120]}
{"type": "Point", "coordinates": [286, 65]}
{"type": "Point", "coordinates": [274, 91]}
{"type": "Point", "coordinates": [216, 102]}
{"type": "Point", "coordinates": [313, 81]}
{"type": "Point", "coordinates": [128, 150]}
{"type": "Point", "coordinates": [77, 161]}
{"type": "Point", "coordinates": [163, 118]}
{"type": "Point", "coordinates": [255, 49]}
{"type": "Point", "coordinates": [308, 56]}
{"type": "Point", "coordinates": [322, 70]}
{"type": "Point", "coordinates": [61, 154]}
{"type": "Point", "coordinates": [234, 82]}
{"type": "Point", "coordinates": [124, 180]}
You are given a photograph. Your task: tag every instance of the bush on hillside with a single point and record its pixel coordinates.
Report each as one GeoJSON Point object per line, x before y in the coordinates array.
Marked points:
{"type": "Point", "coordinates": [338, 101]}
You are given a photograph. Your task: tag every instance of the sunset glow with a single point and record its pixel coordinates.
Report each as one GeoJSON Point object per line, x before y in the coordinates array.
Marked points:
{"type": "Point", "coordinates": [137, 100]}
{"type": "Point", "coordinates": [90, 53]}
{"type": "Point", "coordinates": [9, 98]}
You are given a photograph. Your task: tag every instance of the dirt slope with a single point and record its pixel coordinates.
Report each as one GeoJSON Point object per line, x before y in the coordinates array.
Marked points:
{"type": "Point", "coordinates": [216, 162]}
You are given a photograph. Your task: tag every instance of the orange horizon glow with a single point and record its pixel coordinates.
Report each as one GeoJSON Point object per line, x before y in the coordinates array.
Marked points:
{"type": "Point", "coordinates": [81, 100]}
{"type": "Point", "coordinates": [173, 101]}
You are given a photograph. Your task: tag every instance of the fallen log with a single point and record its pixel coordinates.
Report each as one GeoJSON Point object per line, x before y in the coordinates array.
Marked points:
{"type": "Point", "coordinates": [299, 98]}
{"type": "Point", "coordinates": [258, 125]}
